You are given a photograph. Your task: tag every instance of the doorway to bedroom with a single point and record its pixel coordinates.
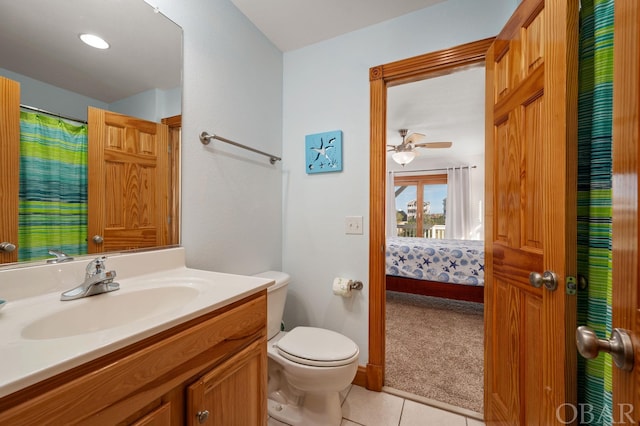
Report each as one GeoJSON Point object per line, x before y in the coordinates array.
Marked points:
{"type": "Point", "coordinates": [434, 239]}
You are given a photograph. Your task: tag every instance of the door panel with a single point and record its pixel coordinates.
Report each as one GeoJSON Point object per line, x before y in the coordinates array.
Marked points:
{"type": "Point", "coordinates": [530, 216]}
{"type": "Point", "coordinates": [128, 182]}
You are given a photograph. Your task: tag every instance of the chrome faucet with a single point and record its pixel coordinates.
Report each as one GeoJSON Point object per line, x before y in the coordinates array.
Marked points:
{"type": "Point", "coordinates": [60, 257]}
{"type": "Point", "coordinates": [97, 280]}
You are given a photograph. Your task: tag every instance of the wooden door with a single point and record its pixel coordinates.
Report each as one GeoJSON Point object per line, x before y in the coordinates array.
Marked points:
{"type": "Point", "coordinates": [233, 393]}
{"type": "Point", "coordinates": [128, 182]}
{"type": "Point", "coordinates": [9, 166]}
{"type": "Point", "coordinates": [530, 355]}
{"type": "Point", "coordinates": [626, 175]}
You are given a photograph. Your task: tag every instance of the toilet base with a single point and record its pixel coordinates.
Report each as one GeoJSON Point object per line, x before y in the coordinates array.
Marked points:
{"type": "Point", "coordinates": [316, 410]}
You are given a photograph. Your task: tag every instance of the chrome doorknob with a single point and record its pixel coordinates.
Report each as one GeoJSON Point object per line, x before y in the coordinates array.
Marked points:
{"type": "Point", "coordinates": [619, 346]}
{"type": "Point", "coordinates": [7, 247]}
{"type": "Point", "coordinates": [549, 279]}
{"type": "Point", "coordinates": [98, 239]}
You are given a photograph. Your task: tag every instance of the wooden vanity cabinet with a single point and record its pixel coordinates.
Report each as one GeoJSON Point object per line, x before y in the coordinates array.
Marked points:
{"type": "Point", "coordinates": [208, 371]}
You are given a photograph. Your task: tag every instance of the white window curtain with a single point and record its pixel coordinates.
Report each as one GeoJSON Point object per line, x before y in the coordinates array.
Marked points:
{"type": "Point", "coordinates": [392, 227]}
{"type": "Point", "coordinates": [458, 214]}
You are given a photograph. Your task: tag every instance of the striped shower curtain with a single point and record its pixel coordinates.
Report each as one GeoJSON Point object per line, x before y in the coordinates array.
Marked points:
{"type": "Point", "coordinates": [53, 187]}
{"type": "Point", "coordinates": [595, 100]}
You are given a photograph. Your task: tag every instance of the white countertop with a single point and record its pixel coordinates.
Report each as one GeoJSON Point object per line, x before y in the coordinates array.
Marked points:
{"type": "Point", "coordinates": [28, 360]}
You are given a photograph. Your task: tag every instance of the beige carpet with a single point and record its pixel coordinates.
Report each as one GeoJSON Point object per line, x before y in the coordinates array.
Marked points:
{"type": "Point", "coordinates": [434, 349]}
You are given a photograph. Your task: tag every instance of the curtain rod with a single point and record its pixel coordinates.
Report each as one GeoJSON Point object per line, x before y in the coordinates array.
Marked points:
{"type": "Point", "coordinates": [66, 117]}
{"type": "Point", "coordinates": [434, 170]}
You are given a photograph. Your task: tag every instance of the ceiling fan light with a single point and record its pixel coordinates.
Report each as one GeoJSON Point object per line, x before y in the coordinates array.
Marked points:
{"type": "Point", "coordinates": [403, 157]}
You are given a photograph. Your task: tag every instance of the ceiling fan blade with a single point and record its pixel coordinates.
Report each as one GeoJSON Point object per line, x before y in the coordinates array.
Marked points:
{"type": "Point", "coordinates": [434, 145]}
{"type": "Point", "coordinates": [414, 137]}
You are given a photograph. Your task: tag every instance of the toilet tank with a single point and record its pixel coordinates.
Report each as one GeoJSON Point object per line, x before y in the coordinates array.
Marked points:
{"type": "Point", "coordinates": [276, 297]}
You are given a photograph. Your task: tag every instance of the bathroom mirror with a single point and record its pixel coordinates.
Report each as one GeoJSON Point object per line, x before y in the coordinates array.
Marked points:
{"type": "Point", "coordinates": [139, 75]}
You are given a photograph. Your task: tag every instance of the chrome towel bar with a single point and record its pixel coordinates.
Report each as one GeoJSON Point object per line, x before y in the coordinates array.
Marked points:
{"type": "Point", "coordinates": [205, 138]}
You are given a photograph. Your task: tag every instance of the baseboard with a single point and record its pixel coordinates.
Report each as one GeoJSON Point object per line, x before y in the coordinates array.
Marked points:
{"type": "Point", "coordinates": [361, 377]}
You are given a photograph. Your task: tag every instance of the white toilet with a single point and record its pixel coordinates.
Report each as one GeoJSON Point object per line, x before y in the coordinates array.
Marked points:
{"type": "Point", "coordinates": [308, 366]}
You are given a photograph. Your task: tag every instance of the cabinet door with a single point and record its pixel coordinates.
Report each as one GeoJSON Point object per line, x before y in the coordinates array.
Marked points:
{"type": "Point", "coordinates": [158, 417]}
{"type": "Point", "coordinates": [233, 393]}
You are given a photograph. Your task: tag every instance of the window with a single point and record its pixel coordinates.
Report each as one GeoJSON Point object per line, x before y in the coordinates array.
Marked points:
{"type": "Point", "coordinates": [421, 205]}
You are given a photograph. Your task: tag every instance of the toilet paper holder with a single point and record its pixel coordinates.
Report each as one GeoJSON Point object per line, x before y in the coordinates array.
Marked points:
{"type": "Point", "coordinates": [356, 285]}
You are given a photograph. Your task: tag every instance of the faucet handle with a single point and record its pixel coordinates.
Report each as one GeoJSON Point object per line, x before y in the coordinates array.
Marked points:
{"type": "Point", "coordinates": [96, 266]}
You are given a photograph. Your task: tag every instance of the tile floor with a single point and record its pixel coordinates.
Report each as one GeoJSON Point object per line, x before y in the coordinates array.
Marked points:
{"type": "Point", "coordinates": [362, 407]}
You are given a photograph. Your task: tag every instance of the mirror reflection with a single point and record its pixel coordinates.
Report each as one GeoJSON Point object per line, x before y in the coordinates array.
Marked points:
{"type": "Point", "coordinates": [83, 157]}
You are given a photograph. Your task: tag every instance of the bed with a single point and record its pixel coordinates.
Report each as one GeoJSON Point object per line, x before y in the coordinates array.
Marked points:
{"type": "Point", "coordinates": [453, 269]}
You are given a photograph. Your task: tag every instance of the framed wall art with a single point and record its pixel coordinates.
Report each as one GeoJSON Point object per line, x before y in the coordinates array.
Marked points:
{"type": "Point", "coordinates": [323, 152]}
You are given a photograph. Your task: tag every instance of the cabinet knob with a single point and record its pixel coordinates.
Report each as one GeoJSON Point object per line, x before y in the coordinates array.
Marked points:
{"type": "Point", "coordinates": [202, 416]}
{"type": "Point", "coordinates": [98, 239]}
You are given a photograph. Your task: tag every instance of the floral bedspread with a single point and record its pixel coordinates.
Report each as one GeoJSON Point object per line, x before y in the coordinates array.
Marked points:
{"type": "Point", "coordinates": [448, 261]}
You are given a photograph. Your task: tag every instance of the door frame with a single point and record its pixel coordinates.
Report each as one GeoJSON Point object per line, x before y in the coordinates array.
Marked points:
{"type": "Point", "coordinates": [381, 77]}
{"type": "Point", "coordinates": [626, 181]}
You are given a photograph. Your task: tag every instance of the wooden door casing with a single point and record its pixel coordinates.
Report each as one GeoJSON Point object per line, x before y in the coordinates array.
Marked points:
{"type": "Point", "coordinates": [381, 77]}
{"type": "Point", "coordinates": [128, 182]}
{"type": "Point", "coordinates": [530, 365]}
{"type": "Point", "coordinates": [10, 165]}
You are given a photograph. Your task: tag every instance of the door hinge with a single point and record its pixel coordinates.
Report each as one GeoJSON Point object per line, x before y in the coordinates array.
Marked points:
{"type": "Point", "coordinates": [571, 286]}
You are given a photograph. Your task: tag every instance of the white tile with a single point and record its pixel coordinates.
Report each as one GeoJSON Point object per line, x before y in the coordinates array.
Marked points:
{"type": "Point", "coordinates": [372, 408]}
{"type": "Point", "coordinates": [474, 422]}
{"type": "Point", "coordinates": [346, 422]}
{"type": "Point", "coordinates": [343, 394]}
{"type": "Point", "coordinates": [415, 414]}
{"type": "Point", "coordinates": [273, 422]}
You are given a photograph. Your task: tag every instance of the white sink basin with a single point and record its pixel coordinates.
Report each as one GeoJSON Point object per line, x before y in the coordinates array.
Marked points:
{"type": "Point", "coordinates": [108, 310]}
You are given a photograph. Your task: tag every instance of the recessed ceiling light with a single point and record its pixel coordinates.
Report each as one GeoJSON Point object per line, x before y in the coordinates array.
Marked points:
{"type": "Point", "coordinates": [94, 41]}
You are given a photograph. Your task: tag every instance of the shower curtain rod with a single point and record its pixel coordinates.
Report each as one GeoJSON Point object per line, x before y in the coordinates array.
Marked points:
{"type": "Point", "coordinates": [435, 170]}
{"type": "Point", "coordinates": [54, 114]}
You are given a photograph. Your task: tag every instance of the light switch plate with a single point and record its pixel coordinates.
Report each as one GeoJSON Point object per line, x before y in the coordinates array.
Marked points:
{"type": "Point", "coordinates": [353, 225]}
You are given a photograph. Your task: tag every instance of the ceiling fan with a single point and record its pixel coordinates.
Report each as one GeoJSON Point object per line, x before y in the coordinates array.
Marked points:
{"type": "Point", "coordinates": [405, 152]}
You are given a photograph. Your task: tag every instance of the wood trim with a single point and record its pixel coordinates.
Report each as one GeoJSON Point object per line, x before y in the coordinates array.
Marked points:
{"type": "Point", "coordinates": [431, 64]}
{"type": "Point", "coordinates": [381, 77]}
{"type": "Point", "coordinates": [559, 351]}
{"type": "Point", "coordinates": [469, 293]}
{"type": "Point", "coordinates": [175, 159]}
{"type": "Point", "coordinates": [626, 131]}
{"type": "Point", "coordinates": [9, 164]}
{"type": "Point", "coordinates": [361, 376]}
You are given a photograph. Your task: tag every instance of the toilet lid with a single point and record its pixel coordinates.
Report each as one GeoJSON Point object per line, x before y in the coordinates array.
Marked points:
{"type": "Point", "coordinates": [317, 347]}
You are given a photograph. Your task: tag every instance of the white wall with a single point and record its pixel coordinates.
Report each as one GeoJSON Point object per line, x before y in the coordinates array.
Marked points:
{"type": "Point", "coordinates": [326, 87]}
{"type": "Point", "coordinates": [231, 198]}
{"type": "Point", "coordinates": [242, 215]}
{"type": "Point", "coordinates": [38, 94]}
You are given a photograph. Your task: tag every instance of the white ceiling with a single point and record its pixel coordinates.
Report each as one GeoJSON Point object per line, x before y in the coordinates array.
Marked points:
{"type": "Point", "coordinates": [39, 39]}
{"type": "Point", "coordinates": [292, 24]}
{"type": "Point", "coordinates": [445, 108]}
